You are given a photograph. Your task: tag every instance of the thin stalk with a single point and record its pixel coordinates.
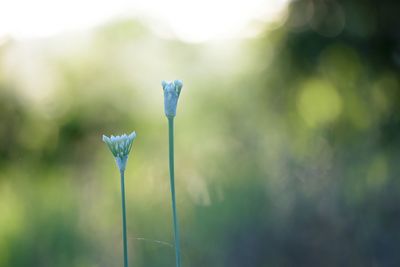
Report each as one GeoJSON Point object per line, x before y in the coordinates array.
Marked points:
{"type": "Point", "coordinates": [172, 179]}
{"type": "Point", "coordinates": [124, 220]}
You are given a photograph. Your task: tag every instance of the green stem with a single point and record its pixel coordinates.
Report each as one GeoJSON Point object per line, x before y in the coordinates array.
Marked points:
{"type": "Point", "coordinates": [172, 179]}
{"type": "Point", "coordinates": [124, 220]}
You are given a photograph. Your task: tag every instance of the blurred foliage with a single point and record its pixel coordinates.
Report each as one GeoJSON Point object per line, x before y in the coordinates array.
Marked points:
{"type": "Point", "coordinates": [287, 145]}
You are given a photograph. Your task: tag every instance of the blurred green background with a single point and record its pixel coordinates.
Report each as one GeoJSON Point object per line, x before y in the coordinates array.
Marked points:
{"type": "Point", "coordinates": [287, 143]}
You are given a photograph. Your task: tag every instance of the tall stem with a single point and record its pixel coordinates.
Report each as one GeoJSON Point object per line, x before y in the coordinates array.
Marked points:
{"type": "Point", "coordinates": [172, 179]}
{"type": "Point", "coordinates": [124, 220]}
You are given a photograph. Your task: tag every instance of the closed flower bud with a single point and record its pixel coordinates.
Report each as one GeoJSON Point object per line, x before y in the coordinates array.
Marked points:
{"type": "Point", "coordinates": [172, 90]}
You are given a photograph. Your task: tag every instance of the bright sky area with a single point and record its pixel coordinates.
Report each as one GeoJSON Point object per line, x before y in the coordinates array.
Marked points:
{"type": "Point", "coordinates": [191, 21]}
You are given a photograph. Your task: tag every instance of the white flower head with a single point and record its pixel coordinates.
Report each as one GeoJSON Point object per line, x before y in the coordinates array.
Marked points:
{"type": "Point", "coordinates": [172, 90]}
{"type": "Point", "coordinates": [120, 146]}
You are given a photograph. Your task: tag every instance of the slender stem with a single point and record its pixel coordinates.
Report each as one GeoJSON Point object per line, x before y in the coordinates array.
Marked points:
{"type": "Point", "coordinates": [124, 220]}
{"type": "Point", "coordinates": [172, 179]}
